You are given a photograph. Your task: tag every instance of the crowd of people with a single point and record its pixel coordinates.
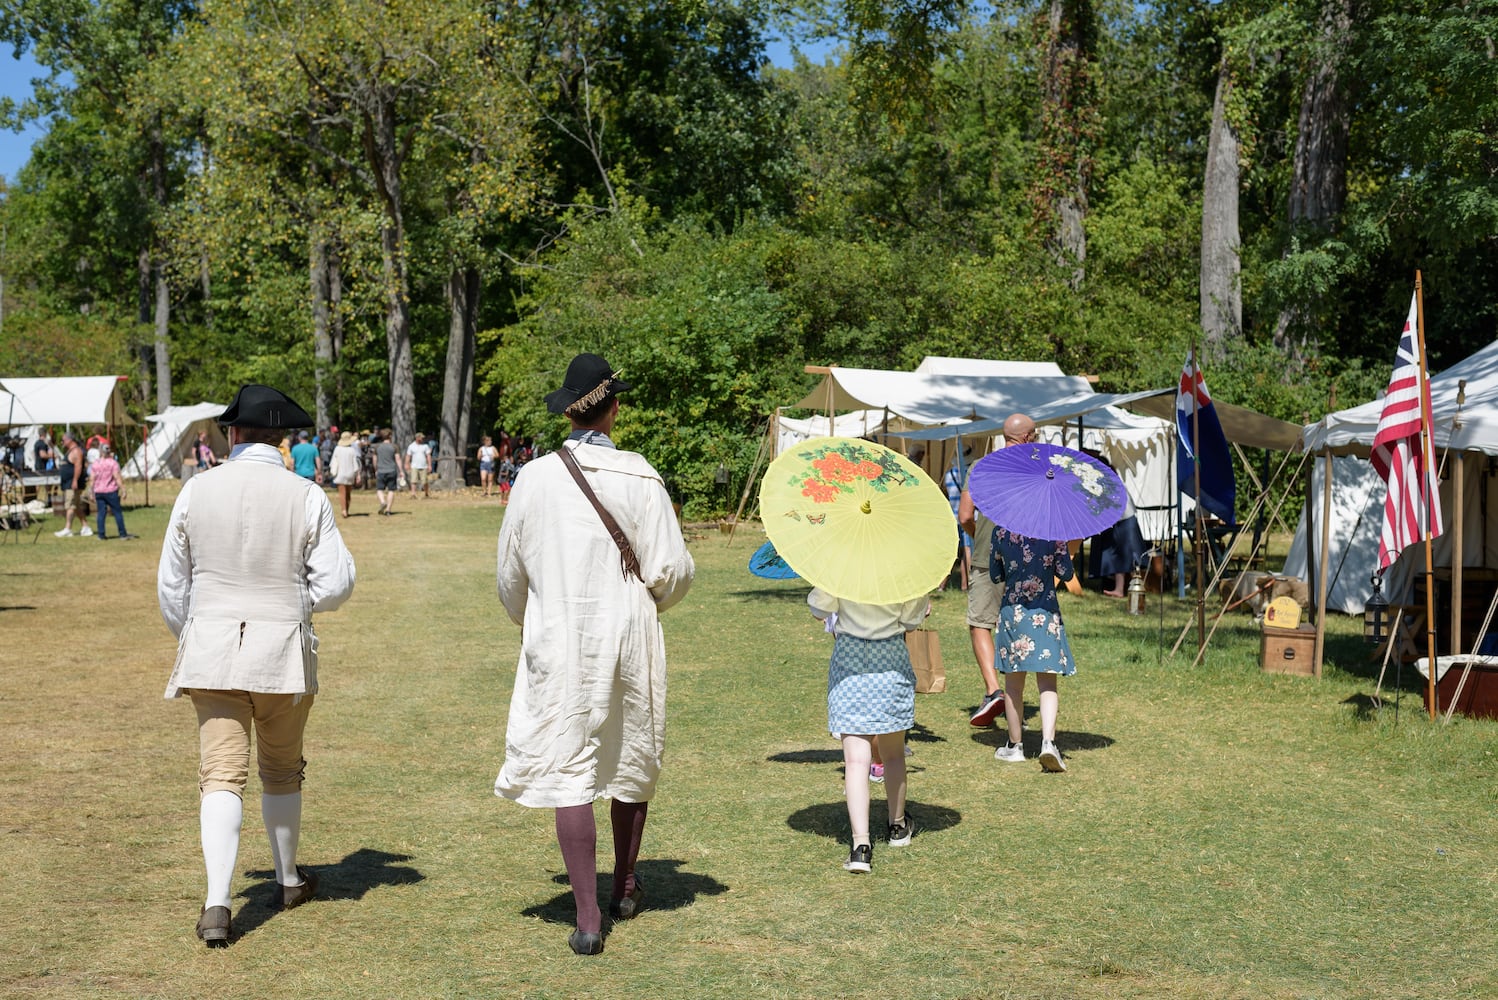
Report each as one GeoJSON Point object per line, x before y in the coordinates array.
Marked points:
{"type": "Point", "coordinates": [587, 712]}
{"type": "Point", "coordinates": [90, 479]}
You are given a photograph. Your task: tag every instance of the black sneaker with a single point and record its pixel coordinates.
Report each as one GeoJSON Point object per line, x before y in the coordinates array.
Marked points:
{"type": "Point", "coordinates": [901, 832]}
{"type": "Point", "coordinates": [860, 859]}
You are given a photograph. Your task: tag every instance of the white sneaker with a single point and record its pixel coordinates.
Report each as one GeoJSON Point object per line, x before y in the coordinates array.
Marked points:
{"type": "Point", "coordinates": [1050, 758]}
{"type": "Point", "coordinates": [64, 533]}
{"type": "Point", "coordinates": [1010, 752]}
{"type": "Point", "coordinates": [86, 532]}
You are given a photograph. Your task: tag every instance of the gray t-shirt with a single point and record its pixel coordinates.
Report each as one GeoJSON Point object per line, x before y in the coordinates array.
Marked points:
{"type": "Point", "coordinates": [385, 458]}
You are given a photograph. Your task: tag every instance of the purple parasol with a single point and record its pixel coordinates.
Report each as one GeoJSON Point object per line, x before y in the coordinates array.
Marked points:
{"type": "Point", "coordinates": [1047, 491]}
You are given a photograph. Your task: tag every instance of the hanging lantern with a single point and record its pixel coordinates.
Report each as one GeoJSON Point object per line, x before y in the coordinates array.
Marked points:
{"type": "Point", "coordinates": [1376, 614]}
{"type": "Point", "coordinates": [1136, 593]}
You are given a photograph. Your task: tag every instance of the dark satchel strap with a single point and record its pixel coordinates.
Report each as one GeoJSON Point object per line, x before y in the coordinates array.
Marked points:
{"type": "Point", "coordinates": [629, 563]}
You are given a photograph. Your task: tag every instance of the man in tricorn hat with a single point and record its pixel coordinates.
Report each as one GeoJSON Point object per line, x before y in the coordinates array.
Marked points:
{"type": "Point", "coordinates": [251, 551]}
{"type": "Point", "coordinates": [587, 716]}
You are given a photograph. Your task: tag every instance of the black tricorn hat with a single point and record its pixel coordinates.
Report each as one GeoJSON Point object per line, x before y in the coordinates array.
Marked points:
{"type": "Point", "coordinates": [589, 380]}
{"type": "Point", "coordinates": [261, 406]}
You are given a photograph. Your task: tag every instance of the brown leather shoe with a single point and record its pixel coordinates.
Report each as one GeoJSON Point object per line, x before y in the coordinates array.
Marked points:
{"type": "Point", "coordinates": [288, 896]}
{"type": "Point", "coordinates": [213, 926]}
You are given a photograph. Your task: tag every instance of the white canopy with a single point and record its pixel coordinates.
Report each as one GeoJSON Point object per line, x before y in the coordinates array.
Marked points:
{"type": "Point", "coordinates": [13, 412]}
{"type": "Point", "coordinates": [81, 400]}
{"type": "Point", "coordinates": [172, 433]}
{"type": "Point", "coordinates": [933, 364]}
{"type": "Point", "coordinates": [790, 432]}
{"type": "Point", "coordinates": [1351, 431]}
{"type": "Point", "coordinates": [937, 398]}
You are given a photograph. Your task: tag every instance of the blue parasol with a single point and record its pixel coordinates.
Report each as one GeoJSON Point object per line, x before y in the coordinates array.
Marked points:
{"type": "Point", "coordinates": [766, 562]}
{"type": "Point", "coordinates": [1047, 491]}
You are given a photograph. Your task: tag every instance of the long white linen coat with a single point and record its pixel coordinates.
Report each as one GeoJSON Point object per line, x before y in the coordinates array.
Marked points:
{"type": "Point", "coordinates": [588, 713]}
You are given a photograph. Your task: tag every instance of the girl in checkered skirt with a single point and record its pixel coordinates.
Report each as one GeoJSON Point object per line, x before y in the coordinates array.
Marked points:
{"type": "Point", "coordinates": [870, 699]}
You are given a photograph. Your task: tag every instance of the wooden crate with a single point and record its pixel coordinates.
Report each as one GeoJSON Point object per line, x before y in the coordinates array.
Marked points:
{"type": "Point", "coordinates": [1287, 650]}
{"type": "Point", "coordinates": [1479, 698]}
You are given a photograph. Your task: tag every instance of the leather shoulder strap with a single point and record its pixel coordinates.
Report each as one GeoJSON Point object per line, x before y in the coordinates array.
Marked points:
{"type": "Point", "coordinates": [629, 563]}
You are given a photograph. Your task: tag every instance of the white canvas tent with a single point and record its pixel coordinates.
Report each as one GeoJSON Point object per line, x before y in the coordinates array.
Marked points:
{"type": "Point", "coordinates": [928, 398]}
{"type": "Point", "coordinates": [77, 401]}
{"type": "Point", "coordinates": [172, 433]}
{"type": "Point", "coordinates": [945, 399]}
{"type": "Point", "coordinates": [1465, 435]}
{"type": "Point", "coordinates": [790, 432]}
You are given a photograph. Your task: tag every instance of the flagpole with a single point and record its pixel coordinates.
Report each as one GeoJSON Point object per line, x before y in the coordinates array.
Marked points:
{"type": "Point", "coordinates": [1196, 463]}
{"type": "Point", "coordinates": [1427, 457]}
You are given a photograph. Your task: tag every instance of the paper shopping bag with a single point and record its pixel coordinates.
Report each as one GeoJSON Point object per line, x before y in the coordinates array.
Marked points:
{"type": "Point", "coordinates": [925, 659]}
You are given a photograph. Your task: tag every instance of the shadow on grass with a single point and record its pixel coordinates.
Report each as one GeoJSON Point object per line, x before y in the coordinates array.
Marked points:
{"type": "Point", "coordinates": [1364, 707]}
{"type": "Point", "coordinates": [666, 888]}
{"type": "Point", "coordinates": [1351, 655]}
{"type": "Point", "coordinates": [834, 756]}
{"type": "Point", "coordinates": [917, 734]}
{"type": "Point", "coordinates": [830, 819]}
{"type": "Point", "coordinates": [350, 878]}
{"type": "Point", "coordinates": [796, 596]}
{"type": "Point", "coordinates": [1067, 741]}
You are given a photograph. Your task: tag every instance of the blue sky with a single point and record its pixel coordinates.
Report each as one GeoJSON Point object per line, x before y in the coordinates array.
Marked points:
{"type": "Point", "coordinates": [15, 81]}
{"type": "Point", "coordinates": [16, 76]}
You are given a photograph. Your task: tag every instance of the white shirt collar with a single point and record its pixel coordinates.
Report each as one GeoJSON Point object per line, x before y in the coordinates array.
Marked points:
{"type": "Point", "coordinates": [268, 453]}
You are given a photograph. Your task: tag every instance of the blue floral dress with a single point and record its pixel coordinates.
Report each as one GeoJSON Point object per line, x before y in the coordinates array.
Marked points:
{"type": "Point", "coordinates": [1031, 635]}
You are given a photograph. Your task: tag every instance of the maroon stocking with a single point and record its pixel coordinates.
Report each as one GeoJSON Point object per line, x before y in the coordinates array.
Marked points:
{"type": "Point", "coordinates": [628, 821]}
{"type": "Point", "coordinates": [578, 837]}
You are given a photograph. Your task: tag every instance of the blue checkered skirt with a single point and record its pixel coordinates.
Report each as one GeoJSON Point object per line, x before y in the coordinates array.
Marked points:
{"type": "Point", "coordinates": [870, 686]}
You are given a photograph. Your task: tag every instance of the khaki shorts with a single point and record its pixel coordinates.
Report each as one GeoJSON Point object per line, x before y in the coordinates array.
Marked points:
{"type": "Point", "coordinates": [76, 501]}
{"type": "Point", "coordinates": [983, 599]}
{"type": "Point", "coordinates": [224, 721]}
{"type": "Point", "coordinates": [418, 478]}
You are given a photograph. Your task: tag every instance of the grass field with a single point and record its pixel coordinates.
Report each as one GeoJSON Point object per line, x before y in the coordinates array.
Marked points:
{"type": "Point", "coordinates": [1222, 832]}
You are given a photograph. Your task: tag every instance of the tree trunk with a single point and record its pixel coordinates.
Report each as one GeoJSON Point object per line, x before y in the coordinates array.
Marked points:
{"type": "Point", "coordinates": [1068, 121]}
{"type": "Point", "coordinates": [335, 327]}
{"type": "Point", "coordinates": [163, 349]}
{"type": "Point", "coordinates": [1318, 187]}
{"type": "Point", "coordinates": [457, 380]}
{"type": "Point", "coordinates": [143, 351]}
{"type": "Point", "coordinates": [322, 338]}
{"type": "Point", "coordinates": [163, 291]}
{"type": "Point", "coordinates": [382, 149]}
{"type": "Point", "coordinates": [1221, 289]}
{"type": "Point", "coordinates": [399, 365]}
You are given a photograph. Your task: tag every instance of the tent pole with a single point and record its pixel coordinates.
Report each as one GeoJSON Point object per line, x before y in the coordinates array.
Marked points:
{"type": "Point", "coordinates": [1180, 525]}
{"type": "Point", "coordinates": [749, 483]}
{"type": "Point", "coordinates": [1259, 504]}
{"type": "Point", "coordinates": [1201, 526]}
{"type": "Point", "coordinates": [1321, 567]}
{"type": "Point", "coordinates": [1427, 457]}
{"type": "Point", "coordinates": [1458, 557]}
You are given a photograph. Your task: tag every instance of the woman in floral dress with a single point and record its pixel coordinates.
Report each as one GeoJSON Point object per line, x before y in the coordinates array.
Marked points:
{"type": "Point", "coordinates": [1031, 638]}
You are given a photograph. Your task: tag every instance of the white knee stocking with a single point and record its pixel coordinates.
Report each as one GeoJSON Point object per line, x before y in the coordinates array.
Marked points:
{"type": "Point", "coordinates": [283, 826]}
{"type": "Point", "coordinates": [219, 819]}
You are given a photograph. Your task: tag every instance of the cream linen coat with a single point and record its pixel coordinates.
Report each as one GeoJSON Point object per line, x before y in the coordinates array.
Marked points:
{"type": "Point", "coordinates": [251, 551]}
{"type": "Point", "coordinates": [588, 713]}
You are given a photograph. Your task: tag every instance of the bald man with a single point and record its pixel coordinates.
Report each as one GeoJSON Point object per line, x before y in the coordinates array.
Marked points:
{"type": "Point", "coordinates": [984, 596]}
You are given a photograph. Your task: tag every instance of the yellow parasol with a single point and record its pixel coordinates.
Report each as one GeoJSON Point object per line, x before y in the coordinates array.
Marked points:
{"type": "Point", "coordinates": [858, 520]}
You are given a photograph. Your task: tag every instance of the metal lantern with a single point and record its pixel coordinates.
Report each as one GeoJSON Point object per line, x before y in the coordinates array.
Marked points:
{"type": "Point", "coordinates": [1376, 614]}
{"type": "Point", "coordinates": [1136, 593]}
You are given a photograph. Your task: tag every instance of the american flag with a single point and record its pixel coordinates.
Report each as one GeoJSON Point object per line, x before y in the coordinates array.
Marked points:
{"type": "Point", "coordinates": [1399, 457]}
